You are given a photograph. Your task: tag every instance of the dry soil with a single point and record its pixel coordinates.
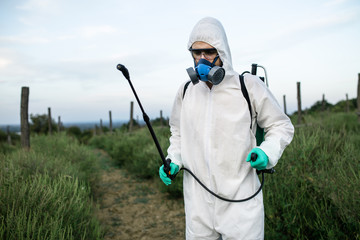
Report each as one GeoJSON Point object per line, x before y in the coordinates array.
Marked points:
{"type": "Point", "coordinates": [131, 208]}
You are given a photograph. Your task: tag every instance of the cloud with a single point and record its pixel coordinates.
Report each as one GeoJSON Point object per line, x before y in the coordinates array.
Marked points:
{"type": "Point", "coordinates": [92, 31]}
{"type": "Point", "coordinates": [4, 62]}
{"type": "Point", "coordinates": [66, 37]}
{"type": "Point", "coordinates": [304, 27]}
{"type": "Point", "coordinates": [23, 39]}
{"type": "Point", "coordinates": [39, 6]}
{"type": "Point", "coordinates": [334, 3]}
{"type": "Point", "coordinates": [329, 21]}
{"type": "Point", "coordinates": [87, 32]}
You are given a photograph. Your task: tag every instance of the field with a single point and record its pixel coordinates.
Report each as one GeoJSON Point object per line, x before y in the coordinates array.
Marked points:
{"type": "Point", "coordinates": [61, 189]}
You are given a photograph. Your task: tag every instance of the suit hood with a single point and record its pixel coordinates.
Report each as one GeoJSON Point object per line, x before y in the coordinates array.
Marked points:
{"type": "Point", "coordinates": [211, 31]}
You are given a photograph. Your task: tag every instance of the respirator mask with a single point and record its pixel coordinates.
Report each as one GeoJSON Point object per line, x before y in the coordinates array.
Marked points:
{"type": "Point", "coordinates": [204, 70]}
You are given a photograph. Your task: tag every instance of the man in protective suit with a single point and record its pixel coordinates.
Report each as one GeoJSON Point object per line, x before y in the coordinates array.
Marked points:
{"type": "Point", "coordinates": [211, 136]}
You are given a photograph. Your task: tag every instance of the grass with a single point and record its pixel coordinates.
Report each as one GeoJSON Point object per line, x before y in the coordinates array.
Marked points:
{"type": "Point", "coordinates": [45, 193]}
{"type": "Point", "coordinates": [314, 193]}
{"type": "Point", "coordinates": [134, 151]}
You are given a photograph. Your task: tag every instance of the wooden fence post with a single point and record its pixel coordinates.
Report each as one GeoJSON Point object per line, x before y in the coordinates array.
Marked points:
{"type": "Point", "coordinates": [161, 118]}
{"type": "Point", "coordinates": [24, 116]}
{"type": "Point", "coordinates": [8, 135]}
{"type": "Point", "coordinates": [347, 104]}
{"type": "Point", "coordinates": [101, 127]}
{"type": "Point", "coordinates": [49, 121]}
{"type": "Point", "coordinates": [95, 130]}
{"type": "Point", "coordinates": [299, 102]}
{"type": "Point", "coordinates": [131, 116]}
{"type": "Point", "coordinates": [59, 124]}
{"type": "Point", "coordinates": [110, 122]}
{"type": "Point", "coordinates": [323, 103]}
{"type": "Point", "coordinates": [284, 100]}
{"type": "Point", "coordinates": [358, 98]}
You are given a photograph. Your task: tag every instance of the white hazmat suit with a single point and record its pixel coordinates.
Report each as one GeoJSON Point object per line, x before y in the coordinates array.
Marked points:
{"type": "Point", "coordinates": [211, 136]}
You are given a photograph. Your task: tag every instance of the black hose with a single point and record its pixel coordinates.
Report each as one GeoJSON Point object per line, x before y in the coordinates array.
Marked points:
{"type": "Point", "coordinates": [222, 198]}
{"type": "Point", "coordinates": [167, 162]}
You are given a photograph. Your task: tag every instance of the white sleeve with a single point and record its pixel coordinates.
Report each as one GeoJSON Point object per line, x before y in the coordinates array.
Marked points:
{"type": "Point", "coordinates": [174, 150]}
{"type": "Point", "coordinates": [278, 128]}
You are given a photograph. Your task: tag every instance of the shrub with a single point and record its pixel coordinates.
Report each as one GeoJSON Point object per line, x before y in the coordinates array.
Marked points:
{"type": "Point", "coordinates": [45, 193]}
{"type": "Point", "coordinates": [136, 150]}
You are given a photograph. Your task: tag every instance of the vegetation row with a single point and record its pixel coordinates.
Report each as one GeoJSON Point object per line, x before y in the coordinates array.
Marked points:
{"type": "Point", "coordinates": [46, 192]}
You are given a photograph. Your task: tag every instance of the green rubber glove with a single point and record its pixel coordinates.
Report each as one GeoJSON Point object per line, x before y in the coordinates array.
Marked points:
{"type": "Point", "coordinates": [261, 161]}
{"type": "Point", "coordinates": [173, 170]}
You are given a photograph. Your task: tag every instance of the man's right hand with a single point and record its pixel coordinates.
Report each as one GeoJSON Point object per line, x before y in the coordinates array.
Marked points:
{"type": "Point", "coordinates": [173, 170]}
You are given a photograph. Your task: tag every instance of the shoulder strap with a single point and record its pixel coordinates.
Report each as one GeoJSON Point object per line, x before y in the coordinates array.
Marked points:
{"type": "Point", "coordinates": [185, 87]}
{"type": "Point", "coordinates": [260, 133]}
{"type": "Point", "coordinates": [246, 96]}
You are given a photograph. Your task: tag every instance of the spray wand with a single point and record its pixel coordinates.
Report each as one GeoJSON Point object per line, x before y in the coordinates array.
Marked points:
{"type": "Point", "coordinates": [167, 162]}
{"type": "Point", "coordinates": [146, 118]}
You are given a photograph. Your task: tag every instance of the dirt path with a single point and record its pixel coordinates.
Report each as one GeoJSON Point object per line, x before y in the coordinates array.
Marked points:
{"type": "Point", "coordinates": [131, 208]}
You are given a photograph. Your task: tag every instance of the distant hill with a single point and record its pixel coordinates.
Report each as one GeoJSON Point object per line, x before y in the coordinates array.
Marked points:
{"type": "Point", "coordinates": [81, 125]}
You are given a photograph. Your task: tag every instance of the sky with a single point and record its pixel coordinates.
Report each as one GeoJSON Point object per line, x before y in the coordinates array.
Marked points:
{"type": "Point", "coordinates": [67, 51]}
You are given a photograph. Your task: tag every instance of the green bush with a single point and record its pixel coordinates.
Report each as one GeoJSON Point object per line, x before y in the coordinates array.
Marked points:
{"type": "Point", "coordinates": [74, 131]}
{"type": "Point", "coordinates": [3, 136]}
{"type": "Point", "coordinates": [45, 193]}
{"type": "Point", "coordinates": [68, 157]}
{"type": "Point", "coordinates": [40, 125]}
{"type": "Point", "coordinates": [314, 193]}
{"type": "Point", "coordinates": [86, 136]}
{"type": "Point", "coordinates": [136, 150]}
{"type": "Point", "coordinates": [5, 147]}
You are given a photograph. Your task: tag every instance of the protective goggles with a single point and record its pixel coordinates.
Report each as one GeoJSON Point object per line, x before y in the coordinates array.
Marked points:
{"type": "Point", "coordinates": [209, 53]}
